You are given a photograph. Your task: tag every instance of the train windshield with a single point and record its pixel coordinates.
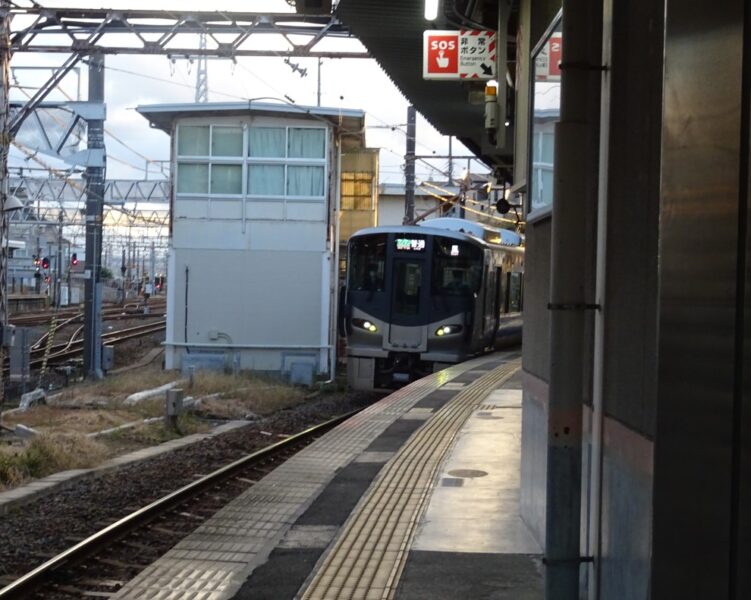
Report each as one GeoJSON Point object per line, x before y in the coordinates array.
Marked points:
{"type": "Point", "coordinates": [367, 263]}
{"type": "Point", "coordinates": [457, 267]}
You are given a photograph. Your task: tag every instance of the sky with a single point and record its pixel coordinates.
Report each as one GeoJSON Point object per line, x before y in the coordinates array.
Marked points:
{"type": "Point", "coordinates": [131, 81]}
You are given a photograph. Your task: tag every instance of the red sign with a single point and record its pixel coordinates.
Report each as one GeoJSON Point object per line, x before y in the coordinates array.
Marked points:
{"type": "Point", "coordinates": [555, 49]}
{"type": "Point", "coordinates": [548, 60]}
{"type": "Point", "coordinates": [442, 54]}
{"type": "Point", "coordinates": [463, 54]}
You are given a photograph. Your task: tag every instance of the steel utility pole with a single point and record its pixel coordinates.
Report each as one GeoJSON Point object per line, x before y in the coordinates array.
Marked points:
{"type": "Point", "coordinates": [5, 5]}
{"type": "Point", "coordinates": [92, 357]}
{"type": "Point", "coordinates": [59, 265]}
{"type": "Point", "coordinates": [318, 95]}
{"type": "Point", "coordinates": [202, 73]}
{"type": "Point", "coordinates": [409, 168]}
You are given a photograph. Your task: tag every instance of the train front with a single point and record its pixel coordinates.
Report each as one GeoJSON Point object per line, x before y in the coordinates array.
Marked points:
{"type": "Point", "coordinates": [409, 303]}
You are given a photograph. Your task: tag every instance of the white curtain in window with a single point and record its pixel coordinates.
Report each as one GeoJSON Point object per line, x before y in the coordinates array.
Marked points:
{"type": "Point", "coordinates": [192, 179]}
{"type": "Point", "coordinates": [268, 142]}
{"type": "Point", "coordinates": [307, 143]}
{"type": "Point", "coordinates": [266, 180]}
{"type": "Point", "coordinates": [226, 179]}
{"type": "Point", "coordinates": [193, 140]}
{"type": "Point", "coordinates": [305, 181]}
{"type": "Point", "coordinates": [227, 141]}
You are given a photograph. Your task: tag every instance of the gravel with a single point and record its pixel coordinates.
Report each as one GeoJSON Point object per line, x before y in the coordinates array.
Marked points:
{"type": "Point", "coordinates": [47, 526]}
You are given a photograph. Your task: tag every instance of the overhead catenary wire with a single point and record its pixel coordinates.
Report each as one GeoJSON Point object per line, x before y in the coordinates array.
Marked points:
{"type": "Point", "coordinates": [281, 99]}
{"type": "Point", "coordinates": [287, 100]}
{"type": "Point", "coordinates": [467, 208]}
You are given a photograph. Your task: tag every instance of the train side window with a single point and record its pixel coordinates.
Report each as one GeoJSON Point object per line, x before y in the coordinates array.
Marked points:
{"type": "Point", "coordinates": [515, 292]}
{"type": "Point", "coordinates": [367, 263]}
{"type": "Point", "coordinates": [457, 267]}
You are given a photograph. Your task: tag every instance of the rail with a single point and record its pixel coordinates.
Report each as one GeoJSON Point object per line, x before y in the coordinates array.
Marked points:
{"type": "Point", "coordinates": [22, 587]}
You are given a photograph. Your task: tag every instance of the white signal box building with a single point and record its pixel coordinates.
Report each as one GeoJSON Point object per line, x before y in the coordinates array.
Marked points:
{"type": "Point", "coordinates": [252, 271]}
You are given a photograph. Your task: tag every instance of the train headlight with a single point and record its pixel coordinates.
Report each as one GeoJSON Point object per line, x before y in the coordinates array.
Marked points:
{"type": "Point", "coordinates": [366, 325]}
{"type": "Point", "coordinates": [447, 330]}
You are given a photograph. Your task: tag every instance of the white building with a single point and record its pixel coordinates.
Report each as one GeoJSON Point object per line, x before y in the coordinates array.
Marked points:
{"type": "Point", "coordinates": [252, 266]}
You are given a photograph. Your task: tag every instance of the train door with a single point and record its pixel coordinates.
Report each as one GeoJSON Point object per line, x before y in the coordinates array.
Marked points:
{"type": "Point", "coordinates": [407, 286]}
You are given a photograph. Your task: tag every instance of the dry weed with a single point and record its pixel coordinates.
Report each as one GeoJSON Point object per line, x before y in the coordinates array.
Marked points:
{"type": "Point", "coordinates": [57, 419]}
{"type": "Point", "coordinates": [46, 454]}
{"type": "Point", "coordinates": [235, 396]}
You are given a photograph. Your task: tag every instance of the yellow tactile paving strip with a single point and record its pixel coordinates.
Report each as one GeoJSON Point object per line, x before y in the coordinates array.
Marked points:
{"type": "Point", "coordinates": [367, 559]}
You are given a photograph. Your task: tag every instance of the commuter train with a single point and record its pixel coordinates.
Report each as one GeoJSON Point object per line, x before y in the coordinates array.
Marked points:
{"type": "Point", "coordinates": [420, 298]}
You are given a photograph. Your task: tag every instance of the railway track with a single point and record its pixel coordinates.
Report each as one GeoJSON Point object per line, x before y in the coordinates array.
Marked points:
{"type": "Point", "coordinates": [74, 346]}
{"type": "Point", "coordinates": [127, 311]}
{"type": "Point", "coordinates": [102, 563]}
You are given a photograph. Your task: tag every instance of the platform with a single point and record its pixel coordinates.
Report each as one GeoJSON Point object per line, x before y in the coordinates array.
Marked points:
{"type": "Point", "coordinates": [415, 497]}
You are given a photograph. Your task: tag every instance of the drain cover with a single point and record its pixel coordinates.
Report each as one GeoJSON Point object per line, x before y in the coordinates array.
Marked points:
{"type": "Point", "coordinates": [467, 473]}
{"type": "Point", "coordinates": [452, 482]}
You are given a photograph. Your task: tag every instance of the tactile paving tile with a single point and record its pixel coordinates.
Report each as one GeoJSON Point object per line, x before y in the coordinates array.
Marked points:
{"type": "Point", "coordinates": [368, 557]}
{"type": "Point", "coordinates": [254, 522]}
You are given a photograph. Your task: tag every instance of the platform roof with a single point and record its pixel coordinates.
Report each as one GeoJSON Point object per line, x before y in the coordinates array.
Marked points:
{"type": "Point", "coordinates": [392, 31]}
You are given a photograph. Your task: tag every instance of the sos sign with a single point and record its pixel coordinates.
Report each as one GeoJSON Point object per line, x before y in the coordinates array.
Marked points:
{"type": "Point", "coordinates": [441, 56]}
{"type": "Point", "coordinates": [459, 54]}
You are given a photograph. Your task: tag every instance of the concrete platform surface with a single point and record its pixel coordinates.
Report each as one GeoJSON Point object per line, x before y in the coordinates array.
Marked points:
{"type": "Point", "coordinates": [416, 497]}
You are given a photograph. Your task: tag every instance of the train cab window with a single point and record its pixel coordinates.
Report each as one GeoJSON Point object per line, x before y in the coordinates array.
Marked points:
{"type": "Point", "coordinates": [367, 256]}
{"type": "Point", "coordinates": [407, 284]}
{"type": "Point", "coordinates": [457, 268]}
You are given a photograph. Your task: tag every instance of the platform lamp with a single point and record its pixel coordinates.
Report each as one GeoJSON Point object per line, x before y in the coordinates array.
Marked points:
{"type": "Point", "coordinates": [431, 9]}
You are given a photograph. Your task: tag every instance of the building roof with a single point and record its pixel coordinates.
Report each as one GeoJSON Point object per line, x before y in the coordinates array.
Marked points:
{"type": "Point", "coordinates": [351, 122]}
{"type": "Point", "coordinates": [398, 189]}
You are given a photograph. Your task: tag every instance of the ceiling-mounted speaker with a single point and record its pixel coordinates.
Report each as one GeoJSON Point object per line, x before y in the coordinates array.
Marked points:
{"type": "Point", "coordinates": [313, 7]}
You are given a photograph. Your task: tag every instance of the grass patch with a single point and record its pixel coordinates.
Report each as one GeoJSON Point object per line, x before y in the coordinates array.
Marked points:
{"type": "Point", "coordinates": [56, 419]}
{"type": "Point", "coordinates": [151, 434]}
{"type": "Point", "coordinates": [234, 396]}
{"type": "Point", "coordinates": [47, 454]}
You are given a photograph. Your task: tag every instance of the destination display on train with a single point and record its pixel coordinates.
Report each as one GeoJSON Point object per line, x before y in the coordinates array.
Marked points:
{"type": "Point", "coordinates": [410, 244]}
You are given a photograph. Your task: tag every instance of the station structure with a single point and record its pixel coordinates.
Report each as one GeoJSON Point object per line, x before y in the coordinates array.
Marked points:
{"type": "Point", "coordinates": [622, 131]}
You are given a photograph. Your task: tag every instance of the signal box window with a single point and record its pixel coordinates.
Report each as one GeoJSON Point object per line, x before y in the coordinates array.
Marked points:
{"type": "Point", "coordinates": [457, 268]}
{"type": "Point", "coordinates": [226, 179]}
{"type": "Point", "coordinates": [306, 143]}
{"type": "Point", "coordinates": [227, 141]}
{"type": "Point", "coordinates": [367, 258]}
{"type": "Point", "coordinates": [304, 181]}
{"type": "Point", "coordinates": [266, 180]}
{"type": "Point", "coordinates": [193, 140]}
{"type": "Point", "coordinates": [268, 142]}
{"type": "Point", "coordinates": [192, 178]}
